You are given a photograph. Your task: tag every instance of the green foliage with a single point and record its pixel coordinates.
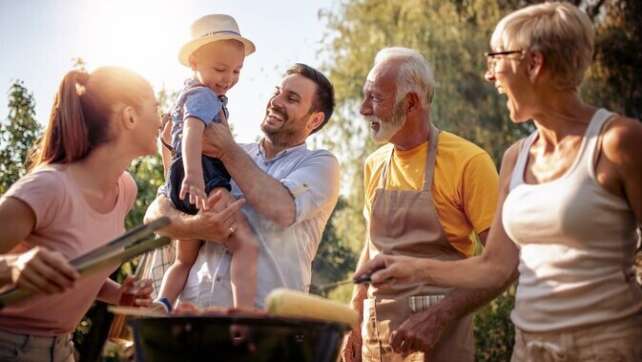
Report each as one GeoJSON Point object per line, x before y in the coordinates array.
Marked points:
{"type": "Point", "coordinates": [335, 260]}
{"type": "Point", "coordinates": [494, 331]}
{"type": "Point", "coordinates": [18, 134]}
{"type": "Point", "coordinates": [614, 80]}
{"type": "Point", "coordinates": [148, 173]}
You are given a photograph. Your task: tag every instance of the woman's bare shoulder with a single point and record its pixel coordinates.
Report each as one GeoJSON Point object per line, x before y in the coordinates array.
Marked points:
{"type": "Point", "coordinates": [622, 139]}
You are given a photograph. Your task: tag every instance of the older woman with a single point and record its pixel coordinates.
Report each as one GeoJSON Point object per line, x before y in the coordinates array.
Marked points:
{"type": "Point", "coordinates": [570, 200]}
{"type": "Point", "coordinates": [74, 200]}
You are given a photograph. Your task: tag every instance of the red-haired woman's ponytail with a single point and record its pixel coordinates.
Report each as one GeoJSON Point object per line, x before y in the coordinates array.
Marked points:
{"type": "Point", "coordinates": [80, 116]}
{"type": "Point", "coordinates": [65, 139]}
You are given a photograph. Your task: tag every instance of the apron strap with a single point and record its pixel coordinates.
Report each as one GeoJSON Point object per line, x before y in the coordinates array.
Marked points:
{"type": "Point", "coordinates": [384, 174]}
{"type": "Point", "coordinates": [433, 139]}
{"type": "Point", "coordinates": [430, 161]}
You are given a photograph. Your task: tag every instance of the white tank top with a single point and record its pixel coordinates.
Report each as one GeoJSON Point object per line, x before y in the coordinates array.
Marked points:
{"type": "Point", "coordinates": [577, 244]}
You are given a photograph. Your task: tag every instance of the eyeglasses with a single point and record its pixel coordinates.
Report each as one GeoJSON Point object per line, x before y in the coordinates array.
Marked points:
{"type": "Point", "coordinates": [491, 57]}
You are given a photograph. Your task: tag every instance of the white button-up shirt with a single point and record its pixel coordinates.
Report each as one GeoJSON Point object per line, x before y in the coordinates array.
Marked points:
{"type": "Point", "coordinates": [286, 253]}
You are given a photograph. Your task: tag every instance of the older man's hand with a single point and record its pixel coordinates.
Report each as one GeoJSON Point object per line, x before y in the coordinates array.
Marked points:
{"type": "Point", "coordinates": [421, 331]}
{"type": "Point", "coordinates": [388, 270]}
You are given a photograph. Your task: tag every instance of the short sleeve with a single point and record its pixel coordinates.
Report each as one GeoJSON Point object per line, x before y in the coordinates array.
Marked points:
{"type": "Point", "coordinates": [480, 189]}
{"type": "Point", "coordinates": [203, 104]}
{"type": "Point", "coordinates": [43, 191]}
{"type": "Point", "coordinates": [314, 185]}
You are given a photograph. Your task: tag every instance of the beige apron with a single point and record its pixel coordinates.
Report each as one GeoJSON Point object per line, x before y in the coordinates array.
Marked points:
{"type": "Point", "coordinates": [406, 223]}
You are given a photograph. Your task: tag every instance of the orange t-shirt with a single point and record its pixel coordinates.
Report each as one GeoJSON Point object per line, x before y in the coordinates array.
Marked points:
{"type": "Point", "coordinates": [464, 189]}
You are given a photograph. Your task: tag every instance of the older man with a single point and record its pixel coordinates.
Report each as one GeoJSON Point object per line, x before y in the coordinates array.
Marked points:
{"type": "Point", "coordinates": [290, 192]}
{"type": "Point", "coordinates": [426, 192]}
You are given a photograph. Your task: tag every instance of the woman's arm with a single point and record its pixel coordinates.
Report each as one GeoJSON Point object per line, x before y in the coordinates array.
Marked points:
{"type": "Point", "coordinates": [38, 270]}
{"type": "Point", "coordinates": [18, 220]}
{"type": "Point", "coordinates": [492, 269]}
{"type": "Point", "coordinates": [623, 150]}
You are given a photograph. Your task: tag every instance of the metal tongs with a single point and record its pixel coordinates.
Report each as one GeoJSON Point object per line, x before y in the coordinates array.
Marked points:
{"type": "Point", "coordinates": [363, 279]}
{"type": "Point", "coordinates": [132, 243]}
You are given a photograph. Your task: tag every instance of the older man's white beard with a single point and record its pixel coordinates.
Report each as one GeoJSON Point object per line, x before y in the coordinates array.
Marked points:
{"type": "Point", "coordinates": [387, 129]}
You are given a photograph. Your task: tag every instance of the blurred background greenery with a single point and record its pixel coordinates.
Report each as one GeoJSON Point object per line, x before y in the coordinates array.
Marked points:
{"type": "Point", "coordinates": [453, 36]}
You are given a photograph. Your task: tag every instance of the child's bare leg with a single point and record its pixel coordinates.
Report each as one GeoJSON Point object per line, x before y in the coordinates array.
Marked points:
{"type": "Point", "coordinates": [243, 245]}
{"type": "Point", "coordinates": [176, 276]}
{"type": "Point", "coordinates": [244, 248]}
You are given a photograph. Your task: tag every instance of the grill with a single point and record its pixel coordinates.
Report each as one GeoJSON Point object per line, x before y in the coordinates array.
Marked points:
{"type": "Point", "coordinates": [214, 338]}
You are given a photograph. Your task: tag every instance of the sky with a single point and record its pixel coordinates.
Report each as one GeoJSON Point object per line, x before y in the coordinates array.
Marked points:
{"type": "Point", "coordinates": [40, 38]}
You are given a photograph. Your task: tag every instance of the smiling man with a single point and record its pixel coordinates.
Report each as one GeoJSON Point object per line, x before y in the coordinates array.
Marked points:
{"type": "Point", "coordinates": [290, 192]}
{"type": "Point", "coordinates": [426, 193]}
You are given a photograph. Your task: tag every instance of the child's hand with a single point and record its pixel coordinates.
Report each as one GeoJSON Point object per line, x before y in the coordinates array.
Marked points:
{"type": "Point", "coordinates": [194, 186]}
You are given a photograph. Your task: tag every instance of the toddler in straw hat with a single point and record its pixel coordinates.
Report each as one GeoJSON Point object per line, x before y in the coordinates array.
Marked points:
{"type": "Point", "coordinates": [215, 53]}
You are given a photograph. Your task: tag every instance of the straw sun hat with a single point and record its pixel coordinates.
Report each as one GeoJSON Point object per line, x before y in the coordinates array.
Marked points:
{"type": "Point", "coordinates": [211, 28]}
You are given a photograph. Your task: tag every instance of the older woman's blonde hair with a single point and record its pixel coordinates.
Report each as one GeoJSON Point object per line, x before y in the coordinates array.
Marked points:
{"type": "Point", "coordinates": [560, 31]}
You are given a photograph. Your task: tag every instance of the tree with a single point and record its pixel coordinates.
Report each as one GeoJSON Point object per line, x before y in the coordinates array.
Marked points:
{"type": "Point", "coordinates": [614, 80]}
{"type": "Point", "coordinates": [335, 260]}
{"type": "Point", "coordinates": [18, 134]}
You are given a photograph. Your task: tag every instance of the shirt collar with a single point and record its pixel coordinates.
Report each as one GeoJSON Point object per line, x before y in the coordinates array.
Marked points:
{"type": "Point", "coordinates": [261, 152]}
{"type": "Point", "coordinates": [191, 82]}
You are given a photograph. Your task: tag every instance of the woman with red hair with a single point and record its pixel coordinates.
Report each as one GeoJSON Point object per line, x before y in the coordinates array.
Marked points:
{"type": "Point", "coordinates": [74, 199]}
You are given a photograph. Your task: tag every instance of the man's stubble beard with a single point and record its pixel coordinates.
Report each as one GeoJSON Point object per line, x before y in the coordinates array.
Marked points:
{"type": "Point", "coordinates": [285, 136]}
{"type": "Point", "coordinates": [388, 128]}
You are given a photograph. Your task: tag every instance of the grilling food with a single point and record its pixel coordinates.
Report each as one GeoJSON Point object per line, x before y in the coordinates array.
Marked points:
{"type": "Point", "coordinates": [279, 303]}
{"type": "Point", "coordinates": [290, 303]}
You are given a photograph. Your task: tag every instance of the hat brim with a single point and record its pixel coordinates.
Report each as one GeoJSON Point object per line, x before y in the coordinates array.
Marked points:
{"type": "Point", "coordinates": [192, 46]}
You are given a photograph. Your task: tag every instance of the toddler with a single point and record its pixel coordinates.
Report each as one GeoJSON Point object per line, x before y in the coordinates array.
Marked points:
{"type": "Point", "coordinates": [216, 56]}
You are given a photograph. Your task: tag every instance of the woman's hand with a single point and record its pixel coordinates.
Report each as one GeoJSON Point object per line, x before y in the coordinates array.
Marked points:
{"type": "Point", "coordinates": [40, 271]}
{"type": "Point", "coordinates": [137, 293]}
{"type": "Point", "coordinates": [388, 270]}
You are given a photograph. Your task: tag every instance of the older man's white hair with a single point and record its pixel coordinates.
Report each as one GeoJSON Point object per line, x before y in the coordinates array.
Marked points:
{"type": "Point", "coordinates": [415, 74]}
